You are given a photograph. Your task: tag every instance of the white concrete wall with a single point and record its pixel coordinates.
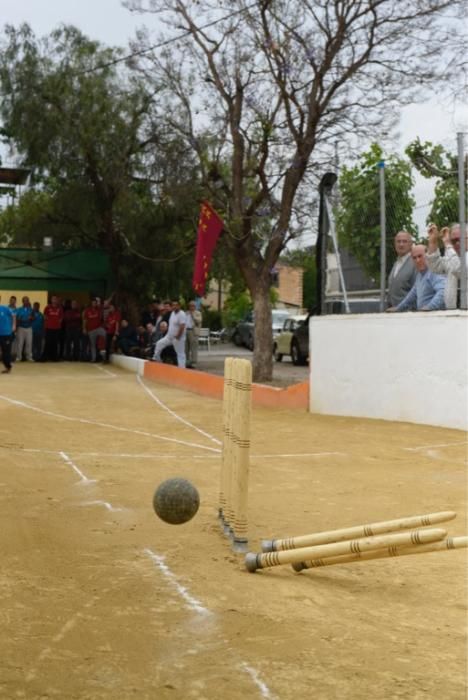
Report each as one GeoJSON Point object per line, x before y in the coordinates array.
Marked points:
{"type": "Point", "coordinates": [402, 366]}
{"type": "Point", "coordinates": [133, 364]}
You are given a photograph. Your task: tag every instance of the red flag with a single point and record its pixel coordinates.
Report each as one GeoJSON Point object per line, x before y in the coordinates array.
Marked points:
{"type": "Point", "coordinates": [210, 226]}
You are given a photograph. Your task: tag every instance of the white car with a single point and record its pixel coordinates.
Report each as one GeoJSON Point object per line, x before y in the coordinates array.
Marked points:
{"type": "Point", "coordinates": [282, 342]}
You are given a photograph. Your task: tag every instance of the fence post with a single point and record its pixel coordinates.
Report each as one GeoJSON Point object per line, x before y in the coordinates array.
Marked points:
{"type": "Point", "coordinates": [383, 237]}
{"type": "Point", "coordinates": [462, 219]}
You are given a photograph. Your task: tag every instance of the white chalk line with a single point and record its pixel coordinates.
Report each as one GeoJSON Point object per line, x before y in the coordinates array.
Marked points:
{"type": "Point", "coordinates": [195, 605]}
{"type": "Point", "coordinates": [174, 414]}
{"type": "Point", "coordinates": [191, 602]}
{"type": "Point", "coordinates": [430, 447]}
{"type": "Point", "coordinates": [71, 464]}
{"type": "Point", "coordinates": [160, 455]}
{"type": "Point", "coordinates": [255, 676]}
{"type": "Point", "coordinates": [107, 372]}
{"type": "Point", "coordinates": [87, 421]}
{"type": "Point", "coordinates": [106, 504]}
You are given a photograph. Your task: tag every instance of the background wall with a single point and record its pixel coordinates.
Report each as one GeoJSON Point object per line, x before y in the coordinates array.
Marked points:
{"type": "Point", "coordinates": [404, 367]}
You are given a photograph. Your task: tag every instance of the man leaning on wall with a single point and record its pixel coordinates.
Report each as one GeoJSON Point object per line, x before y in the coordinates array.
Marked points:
{"type": "Point", "coordinates": [403, 273]}
{"type": "Point", "coordinates": [427, 292]}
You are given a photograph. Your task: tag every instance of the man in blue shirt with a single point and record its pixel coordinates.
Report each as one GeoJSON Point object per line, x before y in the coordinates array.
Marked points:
{"type": "Point", "coordinates": [38, 331]}
{"type": "Point", "coordinates": [427, 293]}
{"type": "Point", "coordinates": [24, 331]}
{"type": "Point", "coordinates": [7, 328]}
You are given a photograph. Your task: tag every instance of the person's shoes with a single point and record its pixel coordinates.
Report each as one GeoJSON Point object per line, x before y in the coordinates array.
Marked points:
{"type": "Point", "coordinates": [6, 371]}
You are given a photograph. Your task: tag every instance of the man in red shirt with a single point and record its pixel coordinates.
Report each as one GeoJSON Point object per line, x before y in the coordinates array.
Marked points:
{"type": "Point", "coordinates": [92, 326]}
{"type": "Point", "coordinates": [53, 316]}
{"type": "Point", "coordinates": [112, 324]}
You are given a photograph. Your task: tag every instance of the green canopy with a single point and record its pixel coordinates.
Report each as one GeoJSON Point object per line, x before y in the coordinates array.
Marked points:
{"type": "Point", "coordinates": [55, 270]}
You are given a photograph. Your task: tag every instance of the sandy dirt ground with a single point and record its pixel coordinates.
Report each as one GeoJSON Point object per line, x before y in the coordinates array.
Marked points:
{"type": "Point", "coordinates": [99, 599]}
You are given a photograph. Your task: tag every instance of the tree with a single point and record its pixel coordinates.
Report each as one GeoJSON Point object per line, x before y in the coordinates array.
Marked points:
{"type": "Point", "coordinates": [104, 175]}
{"type": "Point", "coordinates": [277, 83]}
{"type": "Point", "coordinates": [434, 161]}
{"type": "Point", "coordinates": [358, 215]}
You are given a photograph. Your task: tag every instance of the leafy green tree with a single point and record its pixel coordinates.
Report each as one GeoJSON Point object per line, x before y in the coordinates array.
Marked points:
{"type": "Point", "coordinates": [358, 213]}
{"type": "Point", "coordinates": [279, 82]}
{"type": "Point", "coordinates": [435, 162]}
{"type": "Point", "coordinates": [105, 176]}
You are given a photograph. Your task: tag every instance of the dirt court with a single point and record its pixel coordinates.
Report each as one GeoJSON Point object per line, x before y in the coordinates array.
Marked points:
{"type": "Point", "coordinates": [100, 599]}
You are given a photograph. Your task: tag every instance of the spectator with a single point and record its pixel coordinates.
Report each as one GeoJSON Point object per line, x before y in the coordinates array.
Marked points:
{"type": "Point", "coordinates": [128, 338]}
{"type": "Point", "coordinates": [53, 315]}
{"type": "Point", "coordinates": [7, 328]}
{"type": "Point", "coordinates": [92, 327]}
{"type": "Point", "coordinates": [72, 325]}
{"type": "Point", "coordinates": [175, 335]}
{"type": "Point", "coordinates": [194, 321]}
{"type": "Point", "coordinates": [37, 331]}
{"type": "Point", "coordinates": [166, 311]}
{"type": "Point", "coordinates": [150, 314]}
{"type": "Point", "coordinates": [450, 263]}
{"type": "Point", "coordinates": [12, 307]}
{"type": "Point", "coordinates": [403, 273]}
{"type": "Point", "coordinates": [427, 293]}
{"type": "Point", "coordinates": [112, 329]}
{"type": "Point", "coordinates": [24, 332]}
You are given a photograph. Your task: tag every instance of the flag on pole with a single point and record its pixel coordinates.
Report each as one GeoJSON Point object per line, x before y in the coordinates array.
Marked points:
{"type": "Point", "coordinates": [210, 226]}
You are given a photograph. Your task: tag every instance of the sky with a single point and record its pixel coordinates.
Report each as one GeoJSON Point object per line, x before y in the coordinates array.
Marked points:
{"type": "Point", "coordinates": [109, 22]}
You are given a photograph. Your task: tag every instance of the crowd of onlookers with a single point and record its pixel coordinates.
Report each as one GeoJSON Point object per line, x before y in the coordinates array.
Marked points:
{"type": "Point", "coordinates": [422, 278]}
{"type": "Point", "coordinates": [64, 331]}
{"type": "Point", "coordinates": [427, 278]}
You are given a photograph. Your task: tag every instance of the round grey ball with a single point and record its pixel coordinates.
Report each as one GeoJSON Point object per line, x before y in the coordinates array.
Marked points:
{"type": "Point", "coordinates": [176, 501]}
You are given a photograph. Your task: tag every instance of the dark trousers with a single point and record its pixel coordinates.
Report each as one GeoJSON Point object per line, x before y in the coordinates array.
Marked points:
{"type": "Point", "coordinates": [51, 348]}
{"type": "Point", "coordinates": [5, 346]}
{"type": "Point", "coordinates": [72, 343]}
{"type": "Point", "coordinates": [38, 337]}
{"type": "Point", "coordinates": [109, 341]}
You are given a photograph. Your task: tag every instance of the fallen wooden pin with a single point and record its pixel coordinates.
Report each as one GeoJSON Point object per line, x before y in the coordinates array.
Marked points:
{"type": "Point", "coordinates": [440, 546]}
{"type": "Point", "coordinates": [357, 531]}
{"type": "Point", "coordinates": [291, 556]}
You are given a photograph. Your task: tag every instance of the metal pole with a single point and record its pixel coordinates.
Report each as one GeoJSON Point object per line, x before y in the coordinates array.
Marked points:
{"type": "Point", "coordinates": [383, 247]}
{"type": "Point", "coordinates": [462, 219]}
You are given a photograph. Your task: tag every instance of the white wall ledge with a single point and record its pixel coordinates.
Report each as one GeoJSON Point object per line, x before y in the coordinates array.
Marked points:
{"type": "Point", "coordinates": [410, 366]}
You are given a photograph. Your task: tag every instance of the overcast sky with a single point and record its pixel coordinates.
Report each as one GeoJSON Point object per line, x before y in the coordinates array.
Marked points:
{"type": "Point", "coordinates": [109, 22]}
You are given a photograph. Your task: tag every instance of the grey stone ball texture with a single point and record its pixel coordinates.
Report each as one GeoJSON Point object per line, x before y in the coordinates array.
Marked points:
{"type": "Point", "coordinates": [176, 501]}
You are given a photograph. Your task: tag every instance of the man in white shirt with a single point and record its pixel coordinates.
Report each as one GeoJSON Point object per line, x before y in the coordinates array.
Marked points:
{"type": "Point", "coordinates": [450, 263]}
{"type": "Point", "coordinates": [403, 272]}
{"type": "Point", "coordinates": [194, 321]}
{"type": "Point", "coordinates": [175, 335]}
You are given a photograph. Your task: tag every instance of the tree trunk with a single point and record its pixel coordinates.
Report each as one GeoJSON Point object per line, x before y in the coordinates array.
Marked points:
{"type": "Point", "coordinates": [263, 348]}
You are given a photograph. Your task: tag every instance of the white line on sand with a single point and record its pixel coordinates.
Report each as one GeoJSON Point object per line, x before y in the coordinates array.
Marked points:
{"type": "Point", "coordinates": [429, 447]}
{"type": "Point", "coordinates": [71, 464]}
{"type": "Point", "coordinates": [255, 676]}
{"type": "Point", "coordinates": [192, 602]}
{"type": "Point", "coordinates": [302, 454]}
{"type": "Point", "coordinates": [106, 371]}
{"type": "Point", "coordinates": [106, 504]}
{"type": "Point", "coordinates": [86, 421]}
{"type": "Point", "coordinates": [174, 414]}
{"type": "Point", "coordinates": [195, 605]}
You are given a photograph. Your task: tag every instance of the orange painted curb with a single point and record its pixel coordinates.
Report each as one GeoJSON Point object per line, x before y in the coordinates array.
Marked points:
{"type": "Point", "coordinates": [295, 396]}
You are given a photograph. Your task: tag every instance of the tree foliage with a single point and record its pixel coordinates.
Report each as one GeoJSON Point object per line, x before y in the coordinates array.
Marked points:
{"type": "Point", "coordinates": [279, 82]}
{"type": "Point", "coordinates": [434, 161]}
{"type": "Point", "coordinates": [358, 214]}
{"type": "Point", "coordinates": [104, 175]}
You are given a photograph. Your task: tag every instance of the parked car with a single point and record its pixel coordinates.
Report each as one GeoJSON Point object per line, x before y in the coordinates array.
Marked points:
{"type": "Point", "coordinates": [282, 343]}
{"type": "Point", "coordinates": [300, 335]}
{"type": "Point", "coordinates": [244, 331]}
